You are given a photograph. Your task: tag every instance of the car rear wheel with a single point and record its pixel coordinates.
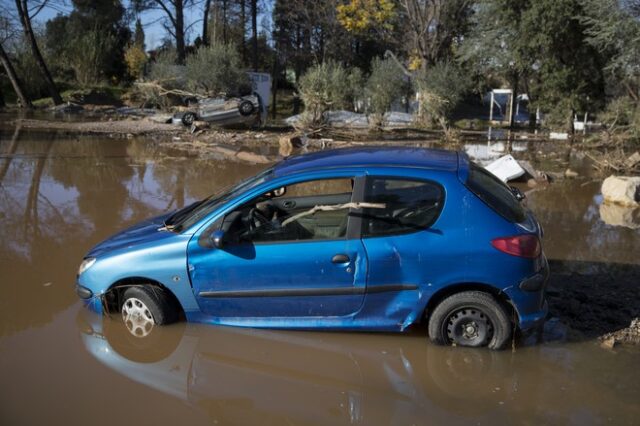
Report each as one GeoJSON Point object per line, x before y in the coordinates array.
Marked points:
{"type": "Point", "coordinates": [144, 306]}
{"type": "Point", "coordinates": [470, 318]}
{"type": "Point", "coordinates": [188, 118]}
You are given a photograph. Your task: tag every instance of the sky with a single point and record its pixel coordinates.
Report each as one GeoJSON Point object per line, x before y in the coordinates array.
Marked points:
{"type": "Point", "coordinates": [152, 20]}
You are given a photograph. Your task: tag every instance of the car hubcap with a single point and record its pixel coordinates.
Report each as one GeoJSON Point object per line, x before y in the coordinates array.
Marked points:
{"type": "Point", "coordinates": [468, 327]}
{"type": "Point", "coordinates": [137, 317]}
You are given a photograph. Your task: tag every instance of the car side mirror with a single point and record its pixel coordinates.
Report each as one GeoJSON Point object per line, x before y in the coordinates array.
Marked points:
{"type": "Point", "coordinates": [217, 239]}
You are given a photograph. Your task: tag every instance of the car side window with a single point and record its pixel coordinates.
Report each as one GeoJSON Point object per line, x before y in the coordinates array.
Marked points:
{"type": "Point", "coordinates": [312, 210]}
{"type": "Point", "coordinates": [409, 206]}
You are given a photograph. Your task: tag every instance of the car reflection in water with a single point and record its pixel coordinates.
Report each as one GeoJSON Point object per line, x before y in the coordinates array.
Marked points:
{"type": "Point", "coordinates": [246, 375]}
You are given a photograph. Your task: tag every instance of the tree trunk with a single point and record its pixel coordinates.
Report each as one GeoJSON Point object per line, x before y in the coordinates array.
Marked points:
{"type": "Point", "coordinates": [254, 33]}
{"type": "Point", "coordinates": [23, 12]}
{"type": "Point", "coordinates": [15, 81]}
{"type": "Point", "coordinates": [205, 23]}
{"type": "Point", "coordinates": [224, 21]}
{"type": "Point", "coordinates": [179, 27]}
{"type": "Point", "coordinates": [512, 101]}
{"type": "Point", "coordinates": [243, 25]}
{"type": "Point", "coordinates": [274, 84]}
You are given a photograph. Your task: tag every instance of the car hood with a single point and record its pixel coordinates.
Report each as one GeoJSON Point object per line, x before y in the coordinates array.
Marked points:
{"type": "Point", "coordinates": [143, 232]}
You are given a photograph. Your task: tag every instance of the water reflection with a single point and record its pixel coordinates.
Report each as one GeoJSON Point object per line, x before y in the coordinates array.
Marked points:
{"type": "Point", "coordinates": [243, 376]}
{"type": "Point", "coordinates": [59, 196]}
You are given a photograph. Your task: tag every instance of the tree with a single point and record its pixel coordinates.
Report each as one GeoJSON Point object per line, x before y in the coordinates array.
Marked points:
{"type": "Point", "coordinates": [254, 33]}
{"type": "Point", "coordinates": [138, 35]}
{"type": "Point", "coordinates": [613, 28]}
{"type": "Point", "coordinates": [18, 88]}
{"type": "Point", "coordinates": [434, 27]}
{"type": "Point", "coordinates": [568, 75]}
{"type": "Point", "coordinates": [173, 11]}
{"type": "Point", "coordinates": [13, 77]}
{"type": "Point", "coordinates": [22, 7]}
{"type": "Point", "coordinates": [497, 44]}
{"type": "Point", "coordinates": [205, 22]}
{"type": "Point", "coordinates": [91, 41]}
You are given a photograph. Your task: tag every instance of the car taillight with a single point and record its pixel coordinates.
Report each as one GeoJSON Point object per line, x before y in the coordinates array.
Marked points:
{"type": "Point", "coordinates": [519, 245]}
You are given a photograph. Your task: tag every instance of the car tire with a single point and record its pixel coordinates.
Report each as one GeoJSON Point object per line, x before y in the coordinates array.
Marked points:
{"type": "Point", "coordinates": [188, 118]}
{"type": "Point", "coordinates": [470, 318]}
{"type": "Point", "coordinates": [150, 300]}
{"type": "Point", "coordinates": [246, 108]}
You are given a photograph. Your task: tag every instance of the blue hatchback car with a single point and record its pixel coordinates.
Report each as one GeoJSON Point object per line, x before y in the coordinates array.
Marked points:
{"type": "Point", "coordinates": [357, 239]}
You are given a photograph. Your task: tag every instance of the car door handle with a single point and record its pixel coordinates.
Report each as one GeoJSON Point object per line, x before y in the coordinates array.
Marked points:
{"type": "Point", "coordinates": [340, 258]}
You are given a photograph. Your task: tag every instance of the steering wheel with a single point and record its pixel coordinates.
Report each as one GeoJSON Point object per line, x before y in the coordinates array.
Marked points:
{"type": "Point", "coordinates": [257, 219]}
{"type": "Point", "coordinates": [413, 211]}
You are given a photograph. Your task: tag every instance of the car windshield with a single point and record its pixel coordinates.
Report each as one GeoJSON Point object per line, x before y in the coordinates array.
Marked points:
{"type": "Point", "coordinates": [188, 216]}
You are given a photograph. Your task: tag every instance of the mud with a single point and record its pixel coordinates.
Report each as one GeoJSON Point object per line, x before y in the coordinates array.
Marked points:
{"type": "Point", "coordinates": [59, 363]}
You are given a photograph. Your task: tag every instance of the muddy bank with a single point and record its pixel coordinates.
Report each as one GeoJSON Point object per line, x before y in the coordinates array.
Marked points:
{"type": "Point", "coordinates": [596, 301]}
{"type": "Point", "coordinates": [118, 128]}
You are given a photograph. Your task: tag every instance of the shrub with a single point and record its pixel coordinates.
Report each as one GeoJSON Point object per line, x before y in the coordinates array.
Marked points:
{"type": "Point", "coordinates": [441, 88]}
{"type": "Point", "coordinates": [385, 84]}
{"type": "Point", "coordinates": [216, 70]}
{"type": "Point", "coordinates": [322, 88]}
{"type": "Point", "coordinates": [136, 59]}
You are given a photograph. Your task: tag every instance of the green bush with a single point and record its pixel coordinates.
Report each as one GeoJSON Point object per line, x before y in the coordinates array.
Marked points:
{"type": "Point", "coordinates": [623, 115]}
{"type": "Point", "coordinates": [441, 88]}
{"type": "Point", "coordinates": [216, 70]}
{"type": "Point", "coordinates": [322, 88]}
{"type": "Point", "coordinates": [385, 84]}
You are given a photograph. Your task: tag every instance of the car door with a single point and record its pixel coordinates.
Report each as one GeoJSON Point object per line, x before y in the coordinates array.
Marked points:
{"type": "Point", "coordinates": [280, 259]}
{"type": "Point", "coordinates": [404, 249]}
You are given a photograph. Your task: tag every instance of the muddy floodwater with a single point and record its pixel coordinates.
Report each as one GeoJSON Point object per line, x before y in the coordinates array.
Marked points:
{"type": "Point", "coordinates": [60, 364]}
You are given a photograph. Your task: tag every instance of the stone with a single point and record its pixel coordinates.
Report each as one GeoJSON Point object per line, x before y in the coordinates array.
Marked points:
{"type": "Point", "coordinates": [608, 343]}
{"type": "Point", "coordinates": [570, 174]}
{"type": "Point", "coordinates": [622, 190]}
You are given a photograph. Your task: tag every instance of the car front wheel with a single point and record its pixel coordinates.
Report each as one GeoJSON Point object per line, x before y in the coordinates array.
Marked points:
{"type": "Point", "coordinates": [470, 318]}
{"type": "Point", "coordinates": [144, 306]}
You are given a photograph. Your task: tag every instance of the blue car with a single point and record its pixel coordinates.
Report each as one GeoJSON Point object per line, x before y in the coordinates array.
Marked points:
{"type": "Point", "coordinates": [355, 239]}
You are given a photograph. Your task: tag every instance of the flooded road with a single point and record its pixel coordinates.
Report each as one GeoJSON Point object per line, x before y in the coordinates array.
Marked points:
{"type": "Point", "coordinates": [60, 363]}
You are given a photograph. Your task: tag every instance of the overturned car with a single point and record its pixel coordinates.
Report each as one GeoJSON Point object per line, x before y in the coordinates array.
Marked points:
{"type": "Point", "coordinates": [225, 111]}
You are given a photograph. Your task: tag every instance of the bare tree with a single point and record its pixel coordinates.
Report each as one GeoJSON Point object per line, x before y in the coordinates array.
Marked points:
{"type": "Point", "coordinates": [7, 33]}
{"type": "Point", "coordinates": [205, 22]}
{"type": "Point", "coordinates": [433, 26]}
{"type": "Point", "coordinates": [25, 15]}
{"type": "Point", "coordinates": [13, 77]}
{"type": "Point", "coordinates": [254, 34]}
{"type": "Point", "coordinates": [174, 14]}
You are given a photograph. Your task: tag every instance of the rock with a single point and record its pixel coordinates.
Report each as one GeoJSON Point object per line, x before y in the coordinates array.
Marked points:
{"type": "Point", "coordinates": [622, 190]}
{"type": "Point", "coordinates": [570, 174]}
{"type": "Point", "coordinates": [634, 159]}
{"type": "Point", "coordinates": [608, 343]}
{"type": "Point", "coordinates": [288, 142]}
{"type": "Point", "coordinates": [201, 124]}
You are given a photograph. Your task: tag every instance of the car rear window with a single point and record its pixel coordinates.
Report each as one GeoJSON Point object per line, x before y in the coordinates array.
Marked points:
{"type": "Point", "coordinates": [495, 193]}
{"type": "Point", "coordinates": [409, 206]}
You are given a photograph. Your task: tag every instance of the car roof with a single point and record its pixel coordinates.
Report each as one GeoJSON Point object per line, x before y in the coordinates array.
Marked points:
{"type": "Point", "coordinates": [435, 159]}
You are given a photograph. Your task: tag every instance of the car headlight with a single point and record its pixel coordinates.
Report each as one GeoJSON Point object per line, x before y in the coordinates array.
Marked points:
{"type": "Point", "coordinates": [86, 264]}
